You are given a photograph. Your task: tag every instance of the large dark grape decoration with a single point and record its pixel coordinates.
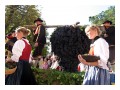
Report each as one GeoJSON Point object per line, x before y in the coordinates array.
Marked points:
{"type": "Point", "coordinates": [67, 42]}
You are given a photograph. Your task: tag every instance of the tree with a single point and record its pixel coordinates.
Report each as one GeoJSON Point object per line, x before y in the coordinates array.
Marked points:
{"type": "Point", "coordinates": [20, 15]}
{"type": "Point", "coordinates": [104, 15]}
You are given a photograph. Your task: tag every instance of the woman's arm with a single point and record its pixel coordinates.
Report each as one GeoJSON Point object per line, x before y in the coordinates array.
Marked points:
{"type": "Point", "coordinates": [17, 50]}
{"type": "Point", "coordinates": [87, 63]}
{"type": "Point", "coordinates": [102, 50]}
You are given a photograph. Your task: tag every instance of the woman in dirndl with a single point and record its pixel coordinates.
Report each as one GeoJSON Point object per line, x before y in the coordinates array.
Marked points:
{"type": "Point", "coordinates": [97, 73]}
{"type": "Point", "coordinates": [22, 55]}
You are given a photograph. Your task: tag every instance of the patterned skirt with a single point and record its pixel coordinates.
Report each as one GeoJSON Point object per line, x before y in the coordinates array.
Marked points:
{"type": "Point", "coordinates": [22, 76]}
{"type": "Point", "coordinates": [96, 76]}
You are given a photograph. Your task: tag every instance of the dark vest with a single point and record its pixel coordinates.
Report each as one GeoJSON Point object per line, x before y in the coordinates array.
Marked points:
{"type": "Point", "coordinates": [41, 37]}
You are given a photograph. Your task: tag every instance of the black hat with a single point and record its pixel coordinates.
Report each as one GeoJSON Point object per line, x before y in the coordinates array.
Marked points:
{"type": "Point", "coordinates": [38, 19]}
{"type": "Point", "coordinates": [107, 21]}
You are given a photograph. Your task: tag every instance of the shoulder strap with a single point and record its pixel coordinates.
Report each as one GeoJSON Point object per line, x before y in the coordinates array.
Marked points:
{"type": "Point", "coordinates": [24, 41]}
{"type": "Point", "coordinates": [38, 32]}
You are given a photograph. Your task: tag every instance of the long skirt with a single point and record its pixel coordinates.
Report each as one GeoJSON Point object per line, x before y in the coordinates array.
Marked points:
{"type": "Point", "coordinates": [22, 76]}
{"type": "Point", "coordinates": [96, 76]}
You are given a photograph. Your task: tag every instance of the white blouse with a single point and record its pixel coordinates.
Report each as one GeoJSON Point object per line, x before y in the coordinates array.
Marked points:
{"type": "Point", "coordinates": [101, 49]}
{"type": "Point", "coordinates": [17, 50]}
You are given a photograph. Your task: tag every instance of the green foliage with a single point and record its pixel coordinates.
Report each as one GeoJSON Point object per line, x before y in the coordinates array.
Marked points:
{"type": "Point", "coordinates": [54, 77]}
{"type": "Point", "coordinates": [104, 15]}
{"type": "Point", "coordinates": [20, 15]}
{"type": "Point", "coordinates": [83, 27]}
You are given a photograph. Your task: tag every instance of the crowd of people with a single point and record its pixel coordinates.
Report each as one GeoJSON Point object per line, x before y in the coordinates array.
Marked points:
{"type": "Point", "coordinates": [96, 72]}
{"type": "Point", "coordinates": [48, 62]}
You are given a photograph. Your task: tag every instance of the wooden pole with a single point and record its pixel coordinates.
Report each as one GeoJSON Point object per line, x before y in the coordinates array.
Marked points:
{"type": "Point", "coordinates": [53, 26]}
{"type": "Point", "coordinates": [46, 26]}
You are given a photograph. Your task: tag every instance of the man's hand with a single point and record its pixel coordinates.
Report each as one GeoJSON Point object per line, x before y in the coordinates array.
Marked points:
{"type": "Point", "coordinates": [105, 35]}
{"type": "Point", "coordinates": [36, 44]}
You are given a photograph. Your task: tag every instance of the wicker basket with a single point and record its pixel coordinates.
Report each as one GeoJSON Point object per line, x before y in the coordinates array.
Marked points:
{"type": "Point", "coordinates": [10, 71]}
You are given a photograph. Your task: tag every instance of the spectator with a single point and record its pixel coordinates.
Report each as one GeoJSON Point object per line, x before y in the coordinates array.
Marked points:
{"type": "Point", "coordinates": [109, 36]}
{"type": "Point", "coordinates": [12, 39]}
{"type": "Point", "coordinates": [45, 64]}
{"type": "Point", "coordinates": [55, 63]}
{"type": "Point", "coordinates": [41, 62]}
{"type": "Point", "coordinates": [49, 62]}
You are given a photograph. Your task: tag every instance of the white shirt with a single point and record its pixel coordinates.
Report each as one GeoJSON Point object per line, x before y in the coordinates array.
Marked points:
{"type": "Point", "coordinates": [101, 49]}
{"type": "Point", "coordinates": [54, 65]}
{"type": "Point", "coordinates": [17, 50]}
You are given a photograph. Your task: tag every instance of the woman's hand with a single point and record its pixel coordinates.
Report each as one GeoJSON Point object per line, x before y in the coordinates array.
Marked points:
{"type": "Point", "coordinates": [82, 60]}
{"type": "Point", "coordinates": [8, 60]}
